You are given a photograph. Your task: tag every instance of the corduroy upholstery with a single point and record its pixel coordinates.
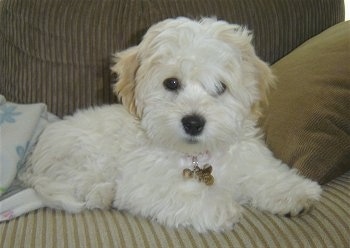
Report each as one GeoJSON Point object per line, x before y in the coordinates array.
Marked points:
{"type": "Point", "coordinates": [58, 52]}
{"type": "Point", "coordinates": [326, 226]}
{"type": "Point", "coordinates": [307, 122]}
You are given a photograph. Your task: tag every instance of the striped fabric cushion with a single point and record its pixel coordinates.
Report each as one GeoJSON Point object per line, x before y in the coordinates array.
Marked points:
{"type": "Point", "coordinates": [327, 225]}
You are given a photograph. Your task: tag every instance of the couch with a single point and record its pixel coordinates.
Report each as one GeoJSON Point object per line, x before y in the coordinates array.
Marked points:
{"type": "Point", "coordinates": [59, 53]}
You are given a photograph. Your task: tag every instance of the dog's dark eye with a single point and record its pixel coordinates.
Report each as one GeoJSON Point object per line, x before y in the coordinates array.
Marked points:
{"type": "Point", "coordinates": [220, 89]}
{"type": "Point", "coordinates": [172, 84]}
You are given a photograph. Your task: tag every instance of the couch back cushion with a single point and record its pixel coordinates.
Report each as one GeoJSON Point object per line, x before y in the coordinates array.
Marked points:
{"type": "Point", "coordinates": [307, 122]}
{"type": "Point", "coordinates": [58, 52]}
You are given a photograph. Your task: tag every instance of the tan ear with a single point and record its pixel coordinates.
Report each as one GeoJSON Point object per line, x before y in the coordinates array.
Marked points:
{"type": "Point", "coordinates": [265, 80]}
{"type": "Point", "coordinates": [262, 72]}
{"type": "Point", "coordinates": [241, 37]}
{"type": "Point", "coordinates": [126, 67]}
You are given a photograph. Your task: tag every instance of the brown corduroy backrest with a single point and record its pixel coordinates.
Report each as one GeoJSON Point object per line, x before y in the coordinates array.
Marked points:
{"type": "Point", "coordinates": [58, 52]}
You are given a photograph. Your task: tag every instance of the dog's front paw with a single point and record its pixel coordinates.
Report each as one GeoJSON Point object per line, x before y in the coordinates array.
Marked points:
{"type": "Point", "coordinates": [298, 200]}
{"type": "Point", "coordinates": [100, 196]}
{"type": "Point", "coordinates": [226, 217]}
{"type": "Point", "coordinates": [218, 217]}
{"type": "Point", "coordinates": [299, 208]}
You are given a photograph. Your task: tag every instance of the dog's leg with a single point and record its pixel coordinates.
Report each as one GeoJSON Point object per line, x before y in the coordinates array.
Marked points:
{"type": "Point", "coordinates": [283, 193]}
{"type": "Point", "coordinates": [100, 195]}
{"type": "Point", "coordinates": [215, 210]}
{"type": "Point", "coordinates": [274, 187]}
{"type": "Point", "coordinates": [71, 183]}
{"type": "Point", "coordinates": [185, 204]}
{"type": "Point", "coordinates": [74, 197]}
{"type": "Point", "coordinates": [57, 195]}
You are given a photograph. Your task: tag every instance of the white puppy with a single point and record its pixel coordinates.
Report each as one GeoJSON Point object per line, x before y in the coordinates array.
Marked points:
{"type": "Point", "coordinates": [184, 148]}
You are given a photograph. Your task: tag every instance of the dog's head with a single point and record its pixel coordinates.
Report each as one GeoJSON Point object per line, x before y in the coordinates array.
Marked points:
{"type": "Point", "coordinates": [195, 85]}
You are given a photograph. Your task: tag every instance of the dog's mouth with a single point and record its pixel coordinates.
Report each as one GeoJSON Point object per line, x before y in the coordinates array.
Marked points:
{"type": "Point", "coordinates": [192, 140]}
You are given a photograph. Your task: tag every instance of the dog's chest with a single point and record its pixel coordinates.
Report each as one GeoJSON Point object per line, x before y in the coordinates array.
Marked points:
{"type": "Point", "coordinates": [166, 168]}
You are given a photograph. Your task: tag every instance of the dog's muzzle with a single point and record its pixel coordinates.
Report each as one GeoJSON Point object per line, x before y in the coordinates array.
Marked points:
{"type": "Point", "coordinates": [193, 124]}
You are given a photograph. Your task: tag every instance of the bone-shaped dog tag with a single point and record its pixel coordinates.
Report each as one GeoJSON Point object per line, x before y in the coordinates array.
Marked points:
{"type": "Point", "coordinates": [202, 175]}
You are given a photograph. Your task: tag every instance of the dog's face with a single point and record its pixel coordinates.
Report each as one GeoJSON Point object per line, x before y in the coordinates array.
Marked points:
{"type": "Point", "coordinates": [194, 85]}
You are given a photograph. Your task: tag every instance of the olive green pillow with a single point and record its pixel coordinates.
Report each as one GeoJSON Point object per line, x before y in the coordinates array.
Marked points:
{"type": "Point", "coordinates": [307, 121]}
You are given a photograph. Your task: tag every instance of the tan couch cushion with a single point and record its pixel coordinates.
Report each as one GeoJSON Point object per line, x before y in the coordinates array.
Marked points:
{"type": "Point", "coordinates": [307, 123]}
{"type": "Point", "coordinates": [327, 225]}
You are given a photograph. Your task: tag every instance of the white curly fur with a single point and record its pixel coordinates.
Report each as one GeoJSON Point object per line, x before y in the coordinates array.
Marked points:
{"type": "Point", "coordinates": [131, 157]}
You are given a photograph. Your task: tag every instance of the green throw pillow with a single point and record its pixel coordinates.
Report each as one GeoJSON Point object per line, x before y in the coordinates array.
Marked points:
{"type": "Point", "coordinates": [307, 121]}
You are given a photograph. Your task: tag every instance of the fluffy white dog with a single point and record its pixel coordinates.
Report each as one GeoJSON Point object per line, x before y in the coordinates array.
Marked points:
{"type": "Point", "coordinates": [184, 148]}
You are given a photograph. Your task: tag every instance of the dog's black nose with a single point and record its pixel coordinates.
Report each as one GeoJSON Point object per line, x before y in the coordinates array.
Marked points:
{"type": "Point", "coordinates": [193, 124]}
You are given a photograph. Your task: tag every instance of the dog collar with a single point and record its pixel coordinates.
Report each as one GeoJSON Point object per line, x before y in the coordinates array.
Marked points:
{"type": "Point", "coordinates": [201, 174]}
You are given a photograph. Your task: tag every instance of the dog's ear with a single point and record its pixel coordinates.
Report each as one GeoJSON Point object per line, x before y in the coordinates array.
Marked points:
{"type": "Point", "coordinates": [261, 70]}
{"type": "Point", "coordinates": [241, 37]}
{"type": "Point", "coordinates": [265, 80]}
{"type": "Point", "coordinates": [126, 65]}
